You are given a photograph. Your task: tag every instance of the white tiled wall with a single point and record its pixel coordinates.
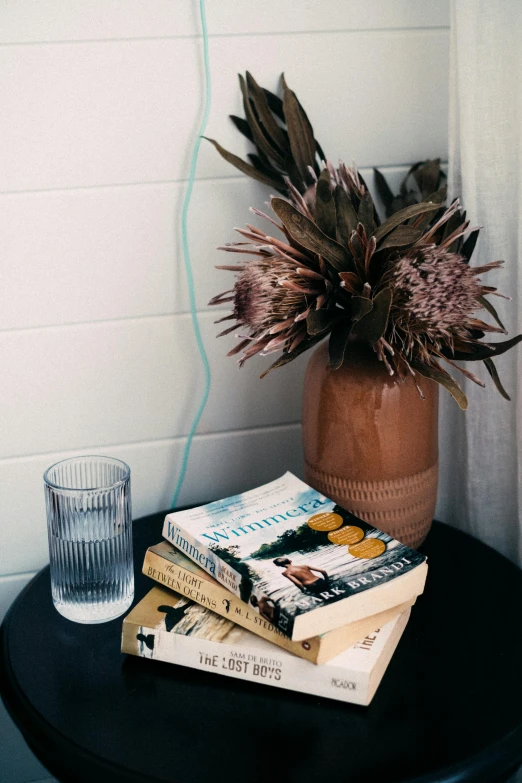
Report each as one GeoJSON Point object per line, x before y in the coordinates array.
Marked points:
{"type": "Point", "coordinates": [100, 104]}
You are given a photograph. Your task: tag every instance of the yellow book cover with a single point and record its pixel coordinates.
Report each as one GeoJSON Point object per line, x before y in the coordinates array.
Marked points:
{"type": "Point", "coordinates": [171, 568]}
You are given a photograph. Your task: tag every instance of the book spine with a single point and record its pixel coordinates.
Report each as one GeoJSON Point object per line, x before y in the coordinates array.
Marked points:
{"type": "Point", "coordinates": [218, 599]}
{"type": "Point", "coordinates": [203, 556]}
{"type": "Point", "coordinates": [247, 663]}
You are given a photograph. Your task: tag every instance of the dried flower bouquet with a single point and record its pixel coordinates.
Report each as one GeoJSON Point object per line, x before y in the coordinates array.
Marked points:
{"type": "Point", "coordinates": [328, 266]}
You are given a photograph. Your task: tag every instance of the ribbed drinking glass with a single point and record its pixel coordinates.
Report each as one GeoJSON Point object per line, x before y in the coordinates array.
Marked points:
{"type": "Point", "coordinates": [89, 523]}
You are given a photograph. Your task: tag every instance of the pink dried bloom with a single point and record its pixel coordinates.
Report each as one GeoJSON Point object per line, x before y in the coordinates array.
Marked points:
{"type": "Point", "coordinates": [434, 293]}
{"type": "Point", "coordinates": [435, 296]}
{"type": "Point", "coordinates": [274, 292]}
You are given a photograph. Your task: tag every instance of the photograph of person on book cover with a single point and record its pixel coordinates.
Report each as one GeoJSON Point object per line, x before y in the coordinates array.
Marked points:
{"type": "Point", "coordinates": [303, 575]}
{"type": "Point", "coordinates": [300, 568]}
{"type": "Point", "coordinates": [289, 548]}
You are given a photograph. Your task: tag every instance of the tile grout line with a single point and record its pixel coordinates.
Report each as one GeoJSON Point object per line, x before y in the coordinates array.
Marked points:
{"type": "Point", "coordinates": [234, 179]}
{"type": "Point", "coordinates": [250, 34]}
{"type": "Point", "coordinates": [287, 425]}
{"type": "Point", "coordinates": [101, 321]}
{"type": "Point", "coordinates": [182, 181]}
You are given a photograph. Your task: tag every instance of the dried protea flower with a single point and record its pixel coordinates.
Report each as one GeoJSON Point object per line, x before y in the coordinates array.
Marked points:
{"type": "Point", "coordinates": [404, 286]}
{"type": "Point", "coordinates": [435, 294]}
{"type": "Point", "coordinates": [274, 293]}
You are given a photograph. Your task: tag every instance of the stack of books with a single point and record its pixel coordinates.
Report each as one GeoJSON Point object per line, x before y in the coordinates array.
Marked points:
{"type": "Point", "coordinates": [281, 586]}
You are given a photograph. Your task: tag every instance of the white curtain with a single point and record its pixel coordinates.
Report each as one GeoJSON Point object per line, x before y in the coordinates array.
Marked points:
{"type": "Point", "coordinates": [481, 449]}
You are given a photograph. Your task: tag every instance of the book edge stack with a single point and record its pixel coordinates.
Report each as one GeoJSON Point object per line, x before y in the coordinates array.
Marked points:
{"type": "Point", "coordinates": [180, 576]}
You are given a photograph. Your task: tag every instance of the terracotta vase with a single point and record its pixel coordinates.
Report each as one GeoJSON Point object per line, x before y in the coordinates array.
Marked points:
{"type": "Point", "coordinates": [371, 443]}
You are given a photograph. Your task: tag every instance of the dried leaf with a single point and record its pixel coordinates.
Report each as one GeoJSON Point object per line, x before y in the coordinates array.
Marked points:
{"type": "Point", "coordinates": [360, 306]}
{"type": "Point", "coordinates": [275, 104]}
{"type": "Point", "coordinates": [319, 150]}
{"type": "Point", "coordinates": [318, 321]}
{"type": "Point", "coordinates": [242, 126]}
{"type": "Point", "coordinates": [352, 282]}
{"type": "Point", "coordinates": [486, 304]}
{"type": "Point", "coordinates": [427, 177]}
{"type": "Point", "coordinates": [300, 132]}
{"type": "Point", "coordinates": [376, 218]}
{"type": "Point", "coordinates": [325, 205]}
{"type": "Point", "coordinates": [452, 228]}
{"type": "Point", "coordinates": [307, 234]}
{"type": "Point", "coordinates": [384, 191]}
{"type": "Point", "coordinates": [293, 172]}
{"type": "Point", "coordinates": [286, 358]}
{"type": "Point", "coordinates": [402, 216]}
{"type": "Point", "coordinates": [240, 164]}
{"type": "Point", "coordinates": [358, 250]}
{"type": "Point", "coordinates": [469, 245]}
{"type": "Point", "coordinates": [410, 171]}
{"type": "Point", "coordinates": [260, 140]}
{"type": "Point", "coordinates": [373, 325]}
{"type": "Point", "coordinates": [401, 236]}
{"type": "Point", "coordinates": [338, 343]}
{"type": "Point", "coordinates": [441, 376]}
{"type": "Point", "coordinates": [452, 224]}
{"type": "Point", "coordinates": [365, 213]}
{"type": "Point", "coordinates": [496, 380]}
{"type": "Point", "coordinates": [437, 198]}
{"type": "Point", "coordinates": [460, 345]}
{"type": "Point", "coordinates": [401, 202]}
{"type": "Point", "coordinates": [487, 350]}
{"type": "Point", "coordinates": [266, 118]}
{"type": "Point", "coordinates": [346, 216]}
{"type": "Point", "coordinates": [262, 165]}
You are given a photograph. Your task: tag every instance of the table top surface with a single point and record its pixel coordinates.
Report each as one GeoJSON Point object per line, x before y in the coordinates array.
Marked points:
{"type": "Point", "coordinates": [449, 707]}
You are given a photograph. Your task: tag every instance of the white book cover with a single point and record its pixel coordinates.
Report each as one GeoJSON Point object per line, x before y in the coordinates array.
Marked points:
{"type": "Point", "coordinates": [286, 543]}
{"type": "Point", "coordinates": [167, 627]}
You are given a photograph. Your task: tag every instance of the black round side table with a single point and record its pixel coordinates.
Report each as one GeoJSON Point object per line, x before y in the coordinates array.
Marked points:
{"type": "Point", "coordinates": [449, 708]}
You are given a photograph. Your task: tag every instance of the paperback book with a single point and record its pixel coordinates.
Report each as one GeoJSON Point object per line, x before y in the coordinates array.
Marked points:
{"type": "Point", "coordinates": [285, 543]}
{"type": "Point", "coordinates": [172, 569]}
{"type": "Point", "coordinates": [171, 628]}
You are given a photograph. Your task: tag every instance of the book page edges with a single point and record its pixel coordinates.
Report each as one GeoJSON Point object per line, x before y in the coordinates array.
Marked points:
{"type": "Point", "coordinates": [382, 664]}
{"type": "Point", "coordinates": [356, 607]}
{"type": "Point", "coordinates": [335, 642]}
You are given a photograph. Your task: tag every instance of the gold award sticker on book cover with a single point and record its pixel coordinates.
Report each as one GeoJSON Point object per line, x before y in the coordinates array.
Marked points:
{"type": "Point", "coordinates": [325, 521]}
{"type": "Point", "coordinates": [358, 546]}
{"type": "Point", "coordinates": [349, 534]}
{"type": "Point", "coordinates": [368, 549]}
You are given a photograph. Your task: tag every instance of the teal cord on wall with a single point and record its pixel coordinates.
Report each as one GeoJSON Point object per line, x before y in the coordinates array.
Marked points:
{"type": "Point", "coordinates": [188, 265]}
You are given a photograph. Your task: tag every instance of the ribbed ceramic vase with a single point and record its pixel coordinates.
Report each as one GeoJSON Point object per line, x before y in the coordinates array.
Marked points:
{"type": "Point", "coordinates": [371, 443]}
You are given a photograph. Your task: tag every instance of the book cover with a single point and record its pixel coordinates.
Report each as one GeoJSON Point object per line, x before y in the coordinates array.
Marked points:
{"type": "Point", "coordinates": [172, 569]}
{"type": "Point", "coordinates": [320, 566]}
{"type": "Point", "coordinates": [170, 628]}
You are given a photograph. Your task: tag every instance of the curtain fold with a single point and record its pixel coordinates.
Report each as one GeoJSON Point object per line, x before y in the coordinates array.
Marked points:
{"type": "Point", "coordinates": [480, 487]}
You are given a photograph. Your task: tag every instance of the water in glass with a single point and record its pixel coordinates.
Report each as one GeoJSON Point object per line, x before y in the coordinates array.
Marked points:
{"type": "Point", "coordinates": [90, 538]}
